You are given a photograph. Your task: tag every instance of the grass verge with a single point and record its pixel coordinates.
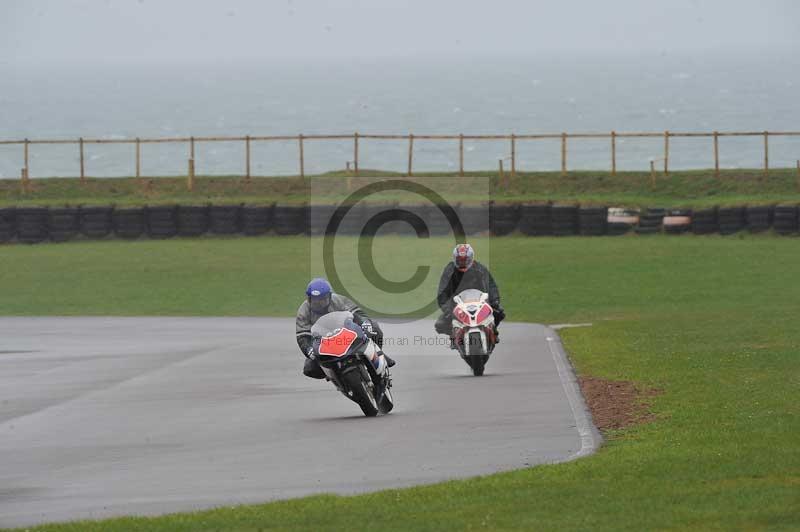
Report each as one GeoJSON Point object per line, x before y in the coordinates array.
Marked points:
{"type": "Point", "coordinates": [691, 188]}
{"type": "Point", "coordinates": [710, 321]}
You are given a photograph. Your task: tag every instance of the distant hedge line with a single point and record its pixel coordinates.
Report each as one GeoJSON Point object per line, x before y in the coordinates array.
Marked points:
{"type": "Point", "coordinates": [40, 224]}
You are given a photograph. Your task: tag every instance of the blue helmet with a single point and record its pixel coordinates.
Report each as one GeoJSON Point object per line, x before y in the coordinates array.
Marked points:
{"type": "Point", "coordinates": [319, 295]}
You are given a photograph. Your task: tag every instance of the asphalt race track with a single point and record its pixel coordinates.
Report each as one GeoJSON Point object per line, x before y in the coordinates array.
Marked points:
{"type": "Point", "coordinates": [113, 416]}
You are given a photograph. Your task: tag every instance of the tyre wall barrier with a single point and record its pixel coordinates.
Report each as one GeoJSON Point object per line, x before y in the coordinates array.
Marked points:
{"type": "Point", "coordinates": [96, 222]}
{"type": "Point", "coordinates": [593, 221]}
{"type": "Point", "coordinates": [621, 221]}
{"type": "Point", "coordinates": [162, 221]}
{"type": "Point", "coordinates": [129, 223]}
{"type": "Point", "coordinates": [677, 221]}
{"type": "Point", "coordinates": [63, 223]}
{"type": "Point", "coordinates": [31, 224]}
{"type": "Point", "coordinates": [225, 219]}
{"type": "Point", "coordinates": [59, 224]}
{"type": "Point", "coordinates": [650, 221]}
{"type": "Point", "coordinates": [564, 220]}
{"type": "Point", "coordinates": [474, 218]}
{"type": "Point", "coordinates": [8, 224]}
{"type": "Point", "coordinates": [257, 219]}
{"type": "Point", "coordinates": [785, 219]}
{"type": "Point", "coordinates": [503, 219]}
{"type": "Point", "coordinates": [731, 220]}
{"type": "Point", "coordinates": [290, 220]}
{"type": "Point", "coordinates": [320, 217]}
{"type": "Point", "coordinates": [705, 221]}
{"type": "Point", "coordinates": [192, 221]}
{"type": "Point", "coordinates": [535, 220]}
{"type": "Point", "coordinates": [759, 218]}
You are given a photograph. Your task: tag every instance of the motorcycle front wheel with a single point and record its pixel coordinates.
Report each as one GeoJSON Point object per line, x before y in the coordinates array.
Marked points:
{"type": "Point", "coordinates": [361, 393]}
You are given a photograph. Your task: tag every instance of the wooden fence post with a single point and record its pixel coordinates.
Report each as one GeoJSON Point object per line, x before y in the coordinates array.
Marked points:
{"type": "Point", "coordinates": [23, 174]}
{"type": "Point", "coordinates": [563, 154]}
{"type": "Point", "coordinates": [613, 153]}
{"type": "Point", "coordinates": [190, 176]}
{"type": "Point", "coordinates": [247, 157]}
{"type": "Point", "coordinates": [513, 155]}
{"type": "Point", "coordinates": [26, 154]}
{"type": "Point", "coordinates": [766, 154]}
{"type": "Point", "coordinates": [83, 173]}
{"type": "Point", "coordinates": [302, 158]}
{"type": "Point", "coordinates": [138, 157]}
{"type": "Point", "coordinates": [501, 174]}
{"type": "Point", "coordinates": [355, 153]}
{"type": "Point", "coordinates": [652, 174]}
{"type": "Point", "coordinates": [410, 153]}
{"type": "Point", "coordinates": [191, 148]}
{"type": "Point", "coordinates": [666, 153]}
{"type": "Point", "coordinates": [461, 154]}
{"type": "Point", "coordinates": [716, 154]}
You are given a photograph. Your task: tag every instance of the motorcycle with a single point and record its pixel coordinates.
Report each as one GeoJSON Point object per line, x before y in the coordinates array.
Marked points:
{"type": "Point", "coordinates": [473, 329]}
{"type": "Point", "coordinates": [353, 362]}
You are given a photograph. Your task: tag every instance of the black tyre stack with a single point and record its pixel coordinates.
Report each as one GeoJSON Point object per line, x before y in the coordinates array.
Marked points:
{"type": "Point", "coordinates": [225, 219]}
{"type": "Point", "coordinates": [731, 220]}
{"type": "Point", "coordinates": [162, 221]}
{"type": "Point", "coordinates": [438, 224]}
{"type": "Point", "coordinates": [759, 218]}
{"type": "Point", "coordinates": [564, 219]}
{"type": "Point", "coordinates": [32, 224]}
{"type": "Point", "coordinates": [785, 221]}
{"type": "Point", "coordinates": [320, 216]}
{"type": "Point", "coordinates": [129, 223]}
{"type": "Point", "coordinates": [503, 219]}
{"type": "Point", "coordinates": [351, 224]}
{"type": "Point", "coordinates": [257, 219]}
{"type": "Point", "coordinates": [704, 221]}
{"type": "Point", "coordinates": [63, 223]}
{"type": "Point", "coordinates": [474, 218]}
{"type": "Point", "coordinates": [650, 221]}
{"type": "Point", "coordinates": [192, 221]}
{"type": "Point", "coordinates": [96, 222]}
{"type": "Point", "coordinates": [593, 221]}
{"type": "Point", "coordinates": [535, 220]}
{"type": "Point", "coordinates": [622, 221]}
{"type": "Point", "coordinates": [290, 219]}
{"type": "Point", "coordinates": [677, 221]}
{"type": "Point", "coordinates": [8, 224]}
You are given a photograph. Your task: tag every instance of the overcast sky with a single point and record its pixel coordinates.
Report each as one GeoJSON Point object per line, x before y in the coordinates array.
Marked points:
{"type": "Point", "coordinates": [151, 31]}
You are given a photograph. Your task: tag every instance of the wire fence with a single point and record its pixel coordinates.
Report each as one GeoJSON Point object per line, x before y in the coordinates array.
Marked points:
{"type": "Point", "coordinates": [301, 140]}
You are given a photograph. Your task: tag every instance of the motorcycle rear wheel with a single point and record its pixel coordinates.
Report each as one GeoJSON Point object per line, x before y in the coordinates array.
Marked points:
{"type": "Point", "coordinates": [361, 393]}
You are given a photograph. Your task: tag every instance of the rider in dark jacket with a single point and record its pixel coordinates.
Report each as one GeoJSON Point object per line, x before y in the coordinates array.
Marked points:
{"type": "Point", "coordinates": [462, 273]}
{"type": "Point", "coordinates": [321, 300]}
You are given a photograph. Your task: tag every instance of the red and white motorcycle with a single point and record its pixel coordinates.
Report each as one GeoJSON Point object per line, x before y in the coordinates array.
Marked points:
{"type": "Point", "coordinates": [473, 328]}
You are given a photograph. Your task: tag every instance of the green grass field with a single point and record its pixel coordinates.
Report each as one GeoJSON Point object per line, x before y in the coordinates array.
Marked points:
{"type": "Point", "coordinates": [710, 321]}
{"type": "Point", "coordinates": [694, 188]}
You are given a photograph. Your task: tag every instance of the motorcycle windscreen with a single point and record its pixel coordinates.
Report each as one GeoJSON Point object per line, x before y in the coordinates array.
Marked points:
{"type": "Point", "coordinates": [470, 295]}
{"type": "Point", "coordinates": [329, 323]}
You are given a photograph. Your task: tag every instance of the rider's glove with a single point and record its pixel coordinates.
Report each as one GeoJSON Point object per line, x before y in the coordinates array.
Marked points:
{"type": "Point", "coordinates": [310, 353]}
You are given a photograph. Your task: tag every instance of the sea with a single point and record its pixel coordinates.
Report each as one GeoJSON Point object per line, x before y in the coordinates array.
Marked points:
{"type": "Point", "coordinates": [524, 94]}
